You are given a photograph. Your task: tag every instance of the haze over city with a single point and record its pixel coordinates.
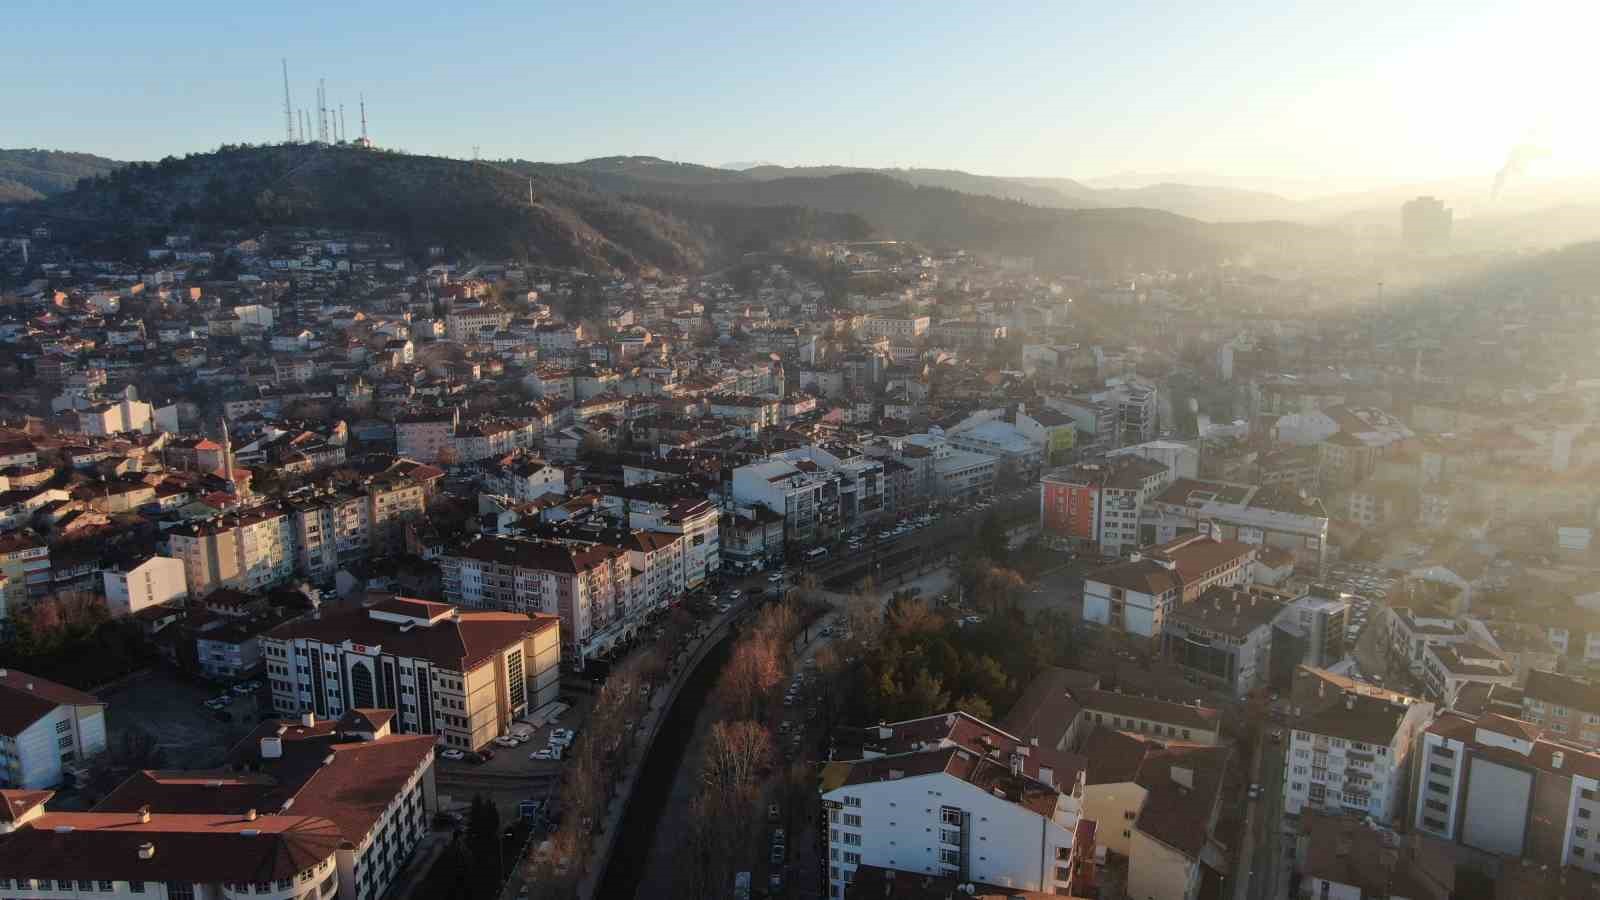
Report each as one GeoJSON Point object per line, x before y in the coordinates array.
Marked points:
{"type": "Point", "coordinates": [713, 451]}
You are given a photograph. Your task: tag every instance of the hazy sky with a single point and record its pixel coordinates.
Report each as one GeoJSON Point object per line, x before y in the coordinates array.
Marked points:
{"type": "Point", "coordinates": [1315, 90]}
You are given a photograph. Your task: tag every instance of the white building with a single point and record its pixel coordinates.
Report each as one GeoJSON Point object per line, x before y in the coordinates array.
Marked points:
{"type": "Point", "coordinates": [1136, 595]}
{"type": "Point", "coordinates": [44, 728]}
{"type": "Point", "coordinates": [314, 809]}
{"type": "Point", "coordinates": [956, 797]}
{"type": "Point", "coordinates": [152, 581]}
{"type": "Point", "coordinates": [1353, 754]}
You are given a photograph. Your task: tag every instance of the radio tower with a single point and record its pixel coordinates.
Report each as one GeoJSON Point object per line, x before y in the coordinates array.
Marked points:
{"type": "Point", "coordinates": [344, 135]}
{"type": "Point", "coordinates": [288, 111]}
{"type": "Point", "coordinates": [322, 110]}
{"type": "Point", "coordinates": [364, 141]}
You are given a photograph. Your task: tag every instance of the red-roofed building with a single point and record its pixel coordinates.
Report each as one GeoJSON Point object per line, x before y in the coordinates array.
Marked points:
{"type": "Point", "coordinates": [45, 728]}
{"type": "Point", "coordinates": [1135, 595]}
{"type": "Point", "coordinates": [461, 675]}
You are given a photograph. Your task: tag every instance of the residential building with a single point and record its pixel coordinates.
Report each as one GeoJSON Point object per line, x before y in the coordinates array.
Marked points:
{"type": "Point", "coordinates": [1098, 505]}
{"type": "Point", "coordinates": [675, 510]}
{"type": "Point", "coordinates": [805, 494]}
{"type": "Point", "coordinates": [140, 583]}
{"type": "Point", "coordinates": [1447, 668]}
{"type": "Point", "coordinates": [25, 565]}
{"type": "Point", "coordinates": [1019, 457]}
{"type": "Point", "coordinates": [461, 675]}
{"type": "Point", "coordinates": [1566, 706]}
{"type": "Point", "coordinates": [427, 435]}
{"type": "Point", "coordinates": [1354, 754]}
{"type": "Point", "coordinates": [993, 808]}
{"type": "Point", "coordinates": [248, 550]}
{"type": "Point", "coordinates": [1506, 787]}
{"type": "Point", "coordinates": [1310, 631]}
{"type": "Point", "coordinates": [1224, 638]}
{"type": "Point", "coordinates": [523, 478]}
{"type": "Point", "coordinates": [45, 729]}
{"type": "Point", "coordinates": [1278, 517]}
{"type": "Point", "coordinates": [1164, 721]}
{"type": "Point", "coordinates": [1135, 595]}
{"type": "Point", "coordinates": [1158, 806]}
{"type": "Point", "coordinates": [895, 326]}
{"type": "Point", "coordinates": [309, 809]}
{"type": "Point", "coordinates": [587, 585]}
{"type": "Point", "coordinates": [1411, 632]}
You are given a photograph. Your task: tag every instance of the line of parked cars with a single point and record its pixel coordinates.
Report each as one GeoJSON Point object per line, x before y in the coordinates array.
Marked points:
{"type": "Point", "coordinates": [560, 740]}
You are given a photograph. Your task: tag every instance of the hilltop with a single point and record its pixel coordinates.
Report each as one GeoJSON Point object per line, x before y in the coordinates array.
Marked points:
{"type": "Point", "coordinates": [27, 175]}
{"type": "Point", "coordinates": [421, 200]}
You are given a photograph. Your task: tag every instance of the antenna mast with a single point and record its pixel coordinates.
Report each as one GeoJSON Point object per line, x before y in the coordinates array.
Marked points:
{"type": "Point", "coordinates": [288, 110]}
{"type": "Point", "coordinates": [322, 110]}
{"type": "Point", "coordinates": [363, 98]}
{"type": "Point", "coordinates": [344, 135]}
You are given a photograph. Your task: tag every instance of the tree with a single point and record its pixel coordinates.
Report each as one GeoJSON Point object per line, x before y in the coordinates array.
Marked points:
{"type": "Point", "coordinates": [483, 842]}
{"type": "Point", "coordinates": [736, 752]}
{"type": "Point", "coordinates": [925, 697]}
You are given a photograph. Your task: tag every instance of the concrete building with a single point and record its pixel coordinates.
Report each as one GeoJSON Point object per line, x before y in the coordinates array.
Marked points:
{"type": "Point", "coordinates": [953, 796]}
{"type": "Point", "coordinates": [1353, 753]}
{"type": "Point", "coordinates": [141, 583]}
{"type": "Point", "coordinates": [45, 729]}
{"type": "Point", "coordinates": [463, 676]}
{"type": "Point", "coordinates": [1276, 517]}
{"type": "Point", "coordinates": [587, 585]}
{"type": "Point", "coordinates": [1181, 460]}
{"type": "Point", "coordinates": [310, 809]}
{"type": "Point", "coordinates": [1164, 721]}
{"type": "Point", "coordinates": [1224, 638]}
{"type": "Point", "coordinates": [1447, 668]}
{"type": "Point", "coordinates": [807, 496]}
{"type": "Point", "coordinates": [1136, 595]}
{"type": "Point", "coordinates": [1018, 455]}
{"type": "Point", "coordinates": [25, 565]}
{"type": "Point", "coordinates": [1503, 786]}
{"type": "Point", "coordinates": [1098, 506]}
{"type": "Point", "coordinates": [1566, 706]}
{"type": "Point", "coordinates": [1310, 631]}
{"type": "Point", "coordinates": [426, 436]}
{"type": "Point", "coordinates": [249, 550]}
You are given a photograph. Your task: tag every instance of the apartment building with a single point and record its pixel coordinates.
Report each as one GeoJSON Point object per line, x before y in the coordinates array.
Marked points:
{"type": "Point", "coordinates": [317, 809]}
{"type": "Point", "coordinates": [1310, 631]}
{"type": "Point", "coordinates": [1135, 595]}
{"type": "Point", "coordinates": [249, 550]}
{"type": "Point", "coordinates": [902, 326]}
{"type": "Point", "coordinates": [461, 675]}
{"type": "Point", "coordinates": [1566, 706]}
{"type": "Point", "coordinates": [805, 494]}
{"type": "Point", "coordinates": [1098, 506]}
{"type": "Point", "coordinates": [426, 435]}
{"type": "Point", "coordinates": [1353, 753]}
{"type": "Point", "coordinates": [1158, 805]}
{"type": "Point", "coordinates": [1447, 668]}
{"type": "Point", "coordinates": [587, 585]}
{"type": "Point", "coordinates": [523, 478]}
{"type": "Point", "coordinates": [1224, 638]}
{"type": "Point", "coordinates": [953, 796]}
{"type": "Point", "coordinates": [696, 519]}
{"type": "Point", "coordinates": [140, 583]}
{"type": "Point", "coordinates": [1191, 724]}
{"type": "Point", "coordinates": [25, 565]}
{"type": "Point", "coordinates": [1504, 786]}
{"type": "Point", "coordinates": [1269, 516]}
{"type": "Point", "coordinates": [1412, 632]}
{"type": "Point", "coordinates": [45, 728]}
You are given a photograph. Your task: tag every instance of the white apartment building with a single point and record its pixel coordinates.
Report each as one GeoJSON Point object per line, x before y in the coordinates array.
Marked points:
{"type": "Point", "coordinates": [524, 479]}
{"type": "Point", "coordinates": [1506, 787]}
{"type": "Point", "coordinates": [142, 583]}
{"type": "Point", "coordinates": [1353, 755]}
{"type": "Point", "coordinates": [1267, 516]}
{"type": "Point", "coordinates": [860, 477]}
{"type": "Point", "coordinates": [953, 796]}
{"type": "Point", "coordinates": [463, 676]}
{"type": "Point", "coordinates": [901, 327]}
{"type": "Point", "coordinates": [44, 728]}
{"type": "Point", "coordinates": [807, 496]}
{"type": "Point", "coordinates": [952, 473]}
{"type": "Point", "coordinates": [1412, 633]}
{"type": "Point", "coordinates": [700, 523]}
{"type": "Point", "coordinates": [1136, 595]}
{"type": "Point", "coordinates": [426, 436]}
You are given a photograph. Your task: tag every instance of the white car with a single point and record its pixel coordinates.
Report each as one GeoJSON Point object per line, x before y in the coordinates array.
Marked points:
{"type": "Point", "coordinates": [775, 578]}
{"type": "Point", "coordinates": [506, 741]}
{"type": "Point", "coordinates": [735, 594]}
{"type": "Point", "coordinates": [545, 754]}
{"type": "Point", "coordinates": [453, 754]}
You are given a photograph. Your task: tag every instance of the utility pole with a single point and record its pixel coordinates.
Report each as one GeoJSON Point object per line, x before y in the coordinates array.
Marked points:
{"type": "Point", "coordinates": [288, 110]}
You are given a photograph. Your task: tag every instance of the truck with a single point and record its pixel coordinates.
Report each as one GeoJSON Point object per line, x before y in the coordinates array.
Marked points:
{"type": "Point", "coordinates": [741, 886]}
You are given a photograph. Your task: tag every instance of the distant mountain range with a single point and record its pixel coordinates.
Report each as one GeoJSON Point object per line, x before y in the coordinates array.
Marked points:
{"type": "Point", "coordinates": [27, 175]}
{"type": "Point", "coordinates": [637, 213]}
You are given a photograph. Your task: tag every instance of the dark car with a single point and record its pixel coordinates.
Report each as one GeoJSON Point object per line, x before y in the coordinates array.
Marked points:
{"type": "Point", "coordinates": [777, 854]}
{"type": "Point", "coordinates": [485, 754]}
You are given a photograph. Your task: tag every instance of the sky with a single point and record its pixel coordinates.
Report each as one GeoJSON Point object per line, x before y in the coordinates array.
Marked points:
{"type": "Point", "coordinates": [1311, 91]}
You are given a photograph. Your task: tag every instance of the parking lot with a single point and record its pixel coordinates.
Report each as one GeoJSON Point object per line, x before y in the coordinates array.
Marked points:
{"type": "Point", "coordinates": [171, 709]}
{"type": "Point", "coordinates": [511, 776]}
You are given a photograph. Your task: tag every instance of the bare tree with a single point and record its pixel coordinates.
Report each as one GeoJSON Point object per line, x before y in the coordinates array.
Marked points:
{"type": "Point", "coordinates": [736, 753]}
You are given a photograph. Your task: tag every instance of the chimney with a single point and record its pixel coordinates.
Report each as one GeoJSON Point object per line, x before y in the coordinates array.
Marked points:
{"type": "Point", "coordinates": [271, 747]}
{"type": "Point", "coordinates": [147, 850]}
{"type": "Point", "coordinates": [1033, 742]}
{"type": "Point", "coordinates": [1016, 763]}
{"type": "Point", "coordinates": [884, 732]}
{"type": "Point", "coordinates": [1557, 758]}
{"type": "Point", "coordinates": [144, 815]}
{"type": "Point", "coordinates": [309, 719]}
{"type": "Point", "coordinates": [1350, 700]}
{"type": "Point", "coordinates": [250, 815]}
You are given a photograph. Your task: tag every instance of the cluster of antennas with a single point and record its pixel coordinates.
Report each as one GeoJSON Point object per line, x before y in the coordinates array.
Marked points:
{"type": "Point", "coordinates": [325, 125]}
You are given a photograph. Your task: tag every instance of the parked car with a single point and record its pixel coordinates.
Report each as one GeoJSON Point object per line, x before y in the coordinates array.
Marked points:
{"type": "Point", "coordinates": [777, 855]}
{"type": "Point", "coordinates": [505, 741]}
{"type": "Point", "coordinates": [1255, 792]}
{"type": "Point", "coordinates": [772, 812]}
{"type": "Point", "coordinates": [779, 838]}
{"type": "Point", "coordinates": [486, 754]}
{"type": "Point", "coordinates": [545, 754]}
{"type": "Point", "coordinates": [775, 882]}
{"type": "Point", "coordinates": [775, 577]}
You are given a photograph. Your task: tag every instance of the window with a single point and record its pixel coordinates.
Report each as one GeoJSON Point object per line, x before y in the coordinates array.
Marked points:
{"type": "Point", "coordinates": [1438, 805]}
{"type": "Point", "coordinates": [949, 836]}
{"type": "Point", "coordinates": [949, 815]}
{"type": "Point", "coordinates": [852, 821]}
{"type": "Point", "coordinates": [949, 857]}
{"type": "Point", "coordinates": [852, 801]}
{"type": "Point", "coordinates": [136, 887]}
{"type": "Point", "coordinates": [852, 840]}
{"type": "Point", "coordinates": [63, 726]}
{"type": "Point", "coordinates": [852, 859]}
{"type": "Point", "coordinates": [1433, 823]}
{"type": "Point", "coordinates": [1583, 813]}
